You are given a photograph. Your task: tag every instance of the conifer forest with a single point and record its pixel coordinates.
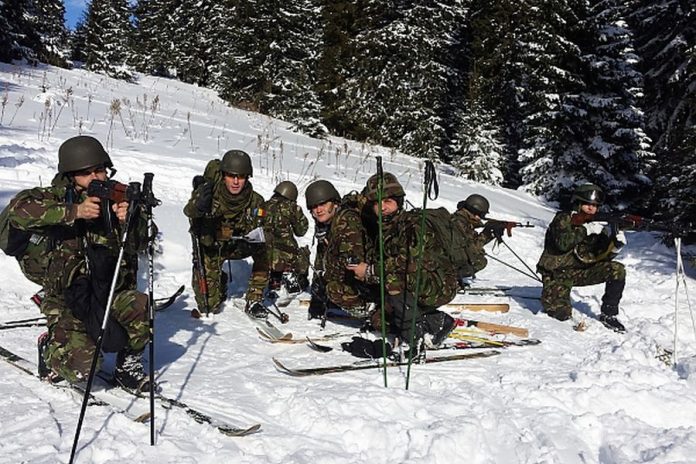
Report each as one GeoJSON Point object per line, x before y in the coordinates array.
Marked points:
{"type": "Point", "coordinates": [529, 94]}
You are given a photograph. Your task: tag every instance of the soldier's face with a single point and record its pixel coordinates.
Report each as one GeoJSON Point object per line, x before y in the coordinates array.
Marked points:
{"type": "Point", "coordinates": [84, 177]}
{"type": "Point", "coordinates": [234, 183]}
{"type": "Point", "coordinates": [588, 209]}
{"type": "Point", "coordinates": [324, 212]}
{"type": "Point", "coordinates": [389, 207]}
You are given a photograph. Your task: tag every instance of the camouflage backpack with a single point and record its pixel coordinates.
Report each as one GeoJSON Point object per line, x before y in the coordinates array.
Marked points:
{"type": "Point", "coordinates": [28, 248]}
{"type": "Point", "coordinates": [452, 243]}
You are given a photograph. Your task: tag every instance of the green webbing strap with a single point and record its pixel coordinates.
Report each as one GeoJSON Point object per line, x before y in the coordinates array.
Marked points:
{"type": "Point", "coordinates": [430, 190]}
{"type": "Point", "coordinates": [380, 194]}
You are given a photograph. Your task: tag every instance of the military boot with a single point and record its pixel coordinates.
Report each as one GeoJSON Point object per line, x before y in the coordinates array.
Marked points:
{"type": "Point", "coordinates": [130, 373]}
{"type": "Point", "coordinates": [437, 328]}
{"type": "Point", "coordinates": [256, 309]}
{"type": "Point", "coordinates": [44, 372]}
{"type": "Point", "coordinates": [609, 320]}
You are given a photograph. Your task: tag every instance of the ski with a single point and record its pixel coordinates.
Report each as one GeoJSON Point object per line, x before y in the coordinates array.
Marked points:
{"type": "Point", "coordinates": [493, 328]}
{"type": "Point", "coordinates": [163, 303]}
{"type": "Point", "coordinates": [374, 364]}
{"type": "Point", "coordinates": [262, 324]}
{"type": "Point", "coordinates": [100, 398]}
{"type": "Point", "coordinates": [37, 323]}
{"type": "Point", "coordinates": [295, 341]}
{"type": "Point", "coordinates": [489, 307]}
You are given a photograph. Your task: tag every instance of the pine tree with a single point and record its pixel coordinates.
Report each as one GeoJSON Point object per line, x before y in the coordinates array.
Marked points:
{"type": "Point", "coordinates": [400, 74]}
{"type": "Point", "coordinates": [271, 65]}
{"type": "Point", "coordinates": [476, 148]}
{"type": "Point", "coordinates": [49, 23]}
{"type": "Point", "coordinates": [107, 38]}
{"type": "Point", "coordinates": [154, 35]}
{"type": "Point", "coordinates": [18, 39]}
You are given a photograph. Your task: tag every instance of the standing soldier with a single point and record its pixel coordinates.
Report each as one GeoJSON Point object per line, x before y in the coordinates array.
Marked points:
{"type": "Point", "coordinates": [563, 263]}
{"type": "Point", "coordinates": [467, 219]}
{"type": "Point", "coordinates": [82, 253]}
{"type": "Point", "coordinates": [223, 211]}
{"type": "Point", "coordinates": [438, 282]}
{"type": "Point", "coordinates": [284, 221]}
{"type": "Point", "coordinates": [341, 240]}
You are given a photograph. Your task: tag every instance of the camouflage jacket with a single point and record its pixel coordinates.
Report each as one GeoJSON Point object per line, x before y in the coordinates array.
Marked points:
{"type": "Point", "coordinates": [438, 276]}
{"type": "Point", "coordinates": [284, 220]}
{"type": "Point", "coordinates": [560, 240]}
{"type": "Point", "coordinates": [231, 216]}
{"type": "Point", "coordinates": [346, 239]}
{"type": "Point", "coordinates": [49, 213]}
{"type": "Point", "coordinates": [466, 224]}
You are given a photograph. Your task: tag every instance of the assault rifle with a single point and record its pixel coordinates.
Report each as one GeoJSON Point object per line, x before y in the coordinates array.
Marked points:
{"type": "Point", "coordinates": [496, 227]}
{"type": "Point", "coordinates": [198, 264]}
{"type": "Point", "coordinates": [631, 222]}
{"type": "Point", "coordinates": [113, 192]}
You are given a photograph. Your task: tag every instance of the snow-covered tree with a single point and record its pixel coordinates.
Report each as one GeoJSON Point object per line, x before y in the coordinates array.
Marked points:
{"type": "Point", "coordinates": [107, 31]}
{"type": "Point", "coordinates": [270, 65]}
{"type": "Point", "coordinates": [49, 24]}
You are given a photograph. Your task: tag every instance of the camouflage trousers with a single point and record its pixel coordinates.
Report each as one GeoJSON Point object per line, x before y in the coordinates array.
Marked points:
{"type": "Point", "coordinates": [289, 259]}
{"type": "Point", "coordinates": [216, 278]}
{"type": "Point", "coordinates": [70, 349]}
{"type": "Point", "coordinates": [555, 296]}
{"type": "Point", "coordinates": [351, 295]}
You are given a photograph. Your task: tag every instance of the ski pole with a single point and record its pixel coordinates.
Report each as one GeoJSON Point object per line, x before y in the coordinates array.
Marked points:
{"type": "Point", "coordinates": [380, 194]}
{"type": "Point", "coordinates": [430, 190]}
{"type": "Point", "coordinates": [520, 259]}
{"type": "Point", "coordinates": [535, 277]}
{"type": "Point", "coordinates": [150, 201]}
{"type": "Point", "coordinates": [135, 188]}
{"type": "Point", "coordinates": [282, 317]}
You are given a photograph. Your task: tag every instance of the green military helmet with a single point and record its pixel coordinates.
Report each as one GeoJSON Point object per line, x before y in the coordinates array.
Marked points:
{"type": "Point", "coordinates": [589, 194]}
{"type": "Point", "coordinates": [390, 187]}
{"type": "Point", "coordinates": [475, 204]}
{"type": "Point", "coordinates": [321, 191]}
{"type": "Point", "coordinates": [81, 152]}
{"type": "Point", "coordinates": [287, 189]}
{"type": "Point", "coordinates": [237, 162]}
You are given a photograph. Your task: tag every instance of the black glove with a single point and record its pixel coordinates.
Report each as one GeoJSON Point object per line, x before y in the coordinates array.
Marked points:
{"type": "Point", "coordinates": [204, 203]}
{"type": "Point", "coordinates": [495, 229]}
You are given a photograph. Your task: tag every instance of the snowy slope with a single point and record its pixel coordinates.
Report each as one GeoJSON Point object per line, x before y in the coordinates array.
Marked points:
{"type": "Point", "coordinates": [577, 398]}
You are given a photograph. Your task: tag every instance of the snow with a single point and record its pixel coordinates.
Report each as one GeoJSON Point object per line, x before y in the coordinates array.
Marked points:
{"type": "Point", "coordinates": [591, 397]}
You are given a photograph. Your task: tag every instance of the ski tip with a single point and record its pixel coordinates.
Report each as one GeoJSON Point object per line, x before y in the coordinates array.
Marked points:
{"type": "Point", "coordinates": [240, 432]}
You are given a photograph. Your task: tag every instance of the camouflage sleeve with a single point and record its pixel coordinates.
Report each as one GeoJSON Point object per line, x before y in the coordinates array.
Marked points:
{"type": "Point", "coordinates": [300, 225]}
{"type": "Point", "coordinates": [190, 209]}
{"type": "Point", "coordinates": [39, 208]}
{"type": "Point", "coordinates": [348, 230]}
{"type": "Point", "coordinates": [564, 235]}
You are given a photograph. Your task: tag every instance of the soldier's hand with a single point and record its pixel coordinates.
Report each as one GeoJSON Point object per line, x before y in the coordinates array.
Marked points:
{"type": "Point", "coordinates": [579, 218]}
{"type": "Point", "coordinates": [204, 202]}
{"type": "Point", "coordinates": [360, 270]}
{"type": "Point", "coordinates": [121, 210]}
{"type": "Point", "coordinates": [89, 209]}
{"type": "Point", "coordinates": [496, 229]}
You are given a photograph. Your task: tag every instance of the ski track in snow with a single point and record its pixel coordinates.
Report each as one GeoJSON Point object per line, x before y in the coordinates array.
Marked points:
{"type": "Point", "coordinates": [592, 397]}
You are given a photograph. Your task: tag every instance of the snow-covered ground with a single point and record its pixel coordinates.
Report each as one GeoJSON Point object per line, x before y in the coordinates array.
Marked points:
{"type": "Point", "coordinates": [586, 397]}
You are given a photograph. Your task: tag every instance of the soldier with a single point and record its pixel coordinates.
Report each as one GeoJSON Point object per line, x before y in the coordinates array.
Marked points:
{"type": "Point", "coordinates": [82, 259]}
{"type": "Point", "coordinates": [438, 283]}
{"type": "Point", "coordinates": [341, 240]}
{"type": "Point", "coordinates": [222, 211]}
{"type": "Point", "coordinates": [562, 265]}
{"type": "Point", "coordinates": [284, 221]}
{"type": "Point", "coordinates": [467, 219]}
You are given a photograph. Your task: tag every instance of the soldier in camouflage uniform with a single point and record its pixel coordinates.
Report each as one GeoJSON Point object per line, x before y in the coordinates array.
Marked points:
{"type": "Point", "coordinates": [81, 260]}
{"type": "Point", "coordinates": [438, 282]}
{"type": "Point", "coordinates": [467, 219]}
{"type": "Point", "coordinates": [341, 240]}
{"type": "Point", "coordinates": [284, 221]}
{"type": "Point", "coordinates": [562, 264]}
{"type": "Point", "coordinates": [222, 210]}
